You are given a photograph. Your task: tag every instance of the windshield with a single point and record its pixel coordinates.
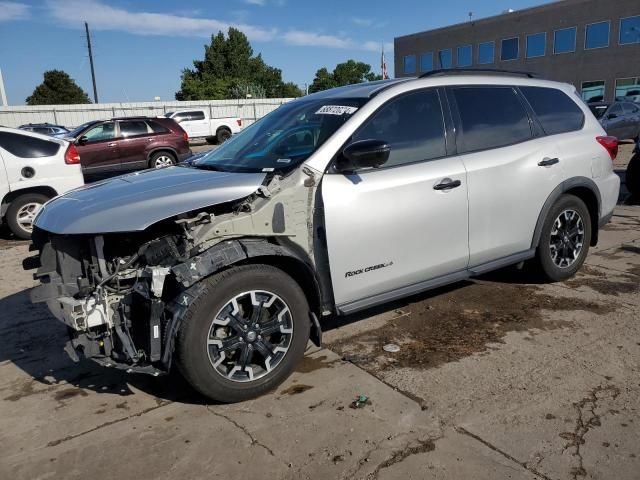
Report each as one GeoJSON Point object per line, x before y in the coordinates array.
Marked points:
{"type": "Point", "coordinates": [76, 131]}
{"type": "Point", "coordinates": [168, 114]}
{"type": "Point", "coordinates": [598, 110]}
{"type": "Point", "coordinates": [284, 138]}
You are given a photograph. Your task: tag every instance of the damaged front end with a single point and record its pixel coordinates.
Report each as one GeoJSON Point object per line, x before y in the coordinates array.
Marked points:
{"type": "Point", "coordinates": [122, 295]}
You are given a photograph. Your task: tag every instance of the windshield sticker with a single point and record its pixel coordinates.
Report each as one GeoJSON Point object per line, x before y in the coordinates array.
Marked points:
{"type": "Point", "coordinates": [265, 170]}
{"type": "Point", "coordinates": [284, 160]}
{"type": "Point", "coordinates": [336, 110]}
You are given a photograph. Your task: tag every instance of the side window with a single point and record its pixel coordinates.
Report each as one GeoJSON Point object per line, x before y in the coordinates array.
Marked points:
{"type": "Point", "coordinates": [156, 127]}
{"type": "Point", "coordinates": [616, 109]}
{"type": "Point", "coordinates": [24, 146]}
{"type": "Point", "coordinates": [490, 117]}
{"type": "Point", "coordinates": [131, 128]}
{"type": "Point", "coordinates": [630, 108]}
{"type": "Point", "coordinates": [195, 115]}
{"type": "Point", "coordinates": [104, 131]}
{"type": "Point", "coordinates": [412, 125]}
{"type": "Point", "coordinates": [555, 110]}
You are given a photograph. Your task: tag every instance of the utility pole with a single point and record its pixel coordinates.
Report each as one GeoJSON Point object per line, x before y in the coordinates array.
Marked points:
{"type": "Point", "coordinates": [3, 94]}
{"type": "Point", "coordinates": [93, 73]}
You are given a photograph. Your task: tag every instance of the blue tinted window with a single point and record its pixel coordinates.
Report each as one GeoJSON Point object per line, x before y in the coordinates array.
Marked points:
{"type": "Point", "coordinates": [486, 52]}
{"type": "Point", "coordinates": [630, 30]}
{"type": "Point", "coordinates": [426, 62]}
{"type": "Point", "coordinates": [536, 45]}
{"type": "Point", "coordinates": [564, 41]}
{"type": "Point", "coordinates": [410, 64]}
{"type": "Point", "coordinates": [445, 57]}
{"type": "Point", "coordinates": [465, 56]}
{"type": "Point", "coordinates": [597, 35]}
{"type": "Point", "coordinates": [509, 50]}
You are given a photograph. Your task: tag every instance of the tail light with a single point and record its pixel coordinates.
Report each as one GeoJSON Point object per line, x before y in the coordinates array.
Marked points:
{"type": "Point", "coordinates": [610, 144]}
{"type": "Point", "coordinates": [239, 121]}
{"type": "Point", "coordinates": [71, 156]}
{"type": "Point", "coordinates": [185, 135]}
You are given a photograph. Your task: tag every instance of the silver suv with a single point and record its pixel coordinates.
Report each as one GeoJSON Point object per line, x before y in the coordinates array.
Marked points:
{"type": "Point", "coordinates": [333, 203]}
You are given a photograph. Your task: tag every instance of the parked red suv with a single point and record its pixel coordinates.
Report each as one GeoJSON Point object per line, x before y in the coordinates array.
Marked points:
{"type": "Point", "coordinates": [129, 143]}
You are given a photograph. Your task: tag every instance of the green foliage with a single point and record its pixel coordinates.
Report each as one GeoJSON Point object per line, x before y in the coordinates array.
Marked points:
{"type": "Point", "coordinates": [230, 70]}
{"type": "Point", "coordinates": [58, 88]}
{"type": "Point", "coordinates": [345, 73]}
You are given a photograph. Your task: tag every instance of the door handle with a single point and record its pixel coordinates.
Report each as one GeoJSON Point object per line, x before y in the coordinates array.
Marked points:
{"type": "Point", "coordinates": [547, 162]}
{"type": "Point", "coordinates": [447, 184]}
{"type": "Point", "coordinates": [111, 144]}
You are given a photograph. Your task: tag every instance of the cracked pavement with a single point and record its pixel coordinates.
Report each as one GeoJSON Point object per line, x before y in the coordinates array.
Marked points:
{"type": "Point", "coordinates": [530, 382]}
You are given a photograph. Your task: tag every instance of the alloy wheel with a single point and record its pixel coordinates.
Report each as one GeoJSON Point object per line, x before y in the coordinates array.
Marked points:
{"type": "Point", "coordinates": [27, 214]}
{"type": "Point", "coordinates": [163, 161]}
{"type": "Point", "coordinates": [567, 238]}
{"type": "Point", "coordinates": [250, 336]}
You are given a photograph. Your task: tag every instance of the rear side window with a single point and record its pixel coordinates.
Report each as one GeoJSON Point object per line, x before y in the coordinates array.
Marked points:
{"type": "Point", "coordinates": [490, 117]}
{"type": "Point", "coordinates": [412, 125]}
{"type": "Point", "coordinates": [156, 127]}
{"type": "Point", "coordinates": [555, 110]}
{"type": "Point", "coordinates": [24, 146]}
{"type": "Point", "coordinates": [195, 115]}
{"type": "Point", "coordinates": [131, 128]}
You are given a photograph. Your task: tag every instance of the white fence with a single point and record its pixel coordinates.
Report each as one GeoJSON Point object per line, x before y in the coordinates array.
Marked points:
{"type": "Point", "coordinates": [249, 110]}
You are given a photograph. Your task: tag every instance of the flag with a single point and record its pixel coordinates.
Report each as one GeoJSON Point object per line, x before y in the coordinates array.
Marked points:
{"type": "Point", "coordinates": [383, 66]}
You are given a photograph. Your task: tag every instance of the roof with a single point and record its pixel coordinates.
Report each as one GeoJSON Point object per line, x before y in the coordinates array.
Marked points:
{"type": "Point", "coordinates": [357, 90]}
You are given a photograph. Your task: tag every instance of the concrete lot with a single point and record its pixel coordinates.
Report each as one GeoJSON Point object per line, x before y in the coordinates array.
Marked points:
{"type": "Point", "coordinates": [495, 378]}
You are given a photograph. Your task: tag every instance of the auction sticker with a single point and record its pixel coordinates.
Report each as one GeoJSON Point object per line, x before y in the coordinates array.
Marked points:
{"type": "Point", "coordinates": [336, 110]}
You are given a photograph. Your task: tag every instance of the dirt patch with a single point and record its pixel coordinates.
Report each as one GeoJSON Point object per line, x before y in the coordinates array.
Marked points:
{"type": "Point", "coordinates": [458, 323]}
{"type": "Point", "coordinates": [296, 389]}
{"type": "Point", "coordinates": [310, 364]}
{"type": "Point", "coordinates": [605, 283]}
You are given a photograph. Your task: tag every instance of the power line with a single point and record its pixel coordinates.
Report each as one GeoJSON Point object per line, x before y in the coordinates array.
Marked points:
{"type": "Point", "coordinates": [93, 73]}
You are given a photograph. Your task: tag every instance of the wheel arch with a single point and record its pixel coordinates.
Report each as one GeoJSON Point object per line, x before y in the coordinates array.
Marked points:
{"type": "Point", "coordinates": [585, 189]}
{"type": "Point", "coordinates": [12, 195]}
{"type": "Point", "coordinates": [223, 127]}
{"type": "Point", "coordinates": [155, 150]}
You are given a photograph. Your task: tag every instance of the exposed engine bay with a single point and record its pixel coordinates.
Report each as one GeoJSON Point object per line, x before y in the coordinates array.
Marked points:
{"type": "Point", "coordinates": [122, 295]}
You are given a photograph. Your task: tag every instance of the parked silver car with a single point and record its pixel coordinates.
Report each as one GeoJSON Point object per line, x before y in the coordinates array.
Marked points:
{"type": "Point", "coordinates": [334, 203]}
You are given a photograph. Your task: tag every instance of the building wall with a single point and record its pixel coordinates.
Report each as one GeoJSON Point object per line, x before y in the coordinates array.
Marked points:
{"type": "Point", "coordinates": [610, 63]}
{"type": "Point", "coordinates": [249, 110]}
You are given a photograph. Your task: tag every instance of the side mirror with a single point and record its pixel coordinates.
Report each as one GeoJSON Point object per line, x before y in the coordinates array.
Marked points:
{"type": "Point", "coordinates": [82, 140]}
{"type": "Point", "coordinates": [612, 115]}
{"type": "Point", "coordinates": [363, 154]}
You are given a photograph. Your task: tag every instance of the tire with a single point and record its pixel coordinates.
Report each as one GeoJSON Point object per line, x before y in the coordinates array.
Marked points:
{"type": "Point", "coordinates": [162, 159]}
{"type": "Point", "coordinates": [223, 134]}
{"type": "Point", "coordinates": [222, 377]}
{"type": "Point", "coordinates": [632, 177]}
{"type": "Point", "coordinates": [211, 140]}
{"type": "Point", "coordinates": [564, 259]}
{"type": "Point", "coordinates": [23, 209]}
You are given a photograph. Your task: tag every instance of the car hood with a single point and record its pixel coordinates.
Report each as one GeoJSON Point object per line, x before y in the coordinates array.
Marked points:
{"type": "Point", "coordinates": [134, 202]}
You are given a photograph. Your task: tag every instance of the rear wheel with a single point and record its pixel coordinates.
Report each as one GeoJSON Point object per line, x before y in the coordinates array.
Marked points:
{"type": "Point", "coordinates": [162, 159]}
{"type": "Point", "coordinates": [244, 333]}
{"type": "Point", "coordinates": [22, 212]}
{"type": "Point", "coordinates": [632, 177]}
{"type": "Point", "coordinates": [223, 134]}
{"type": "Point", "coordinates": [565, 239]}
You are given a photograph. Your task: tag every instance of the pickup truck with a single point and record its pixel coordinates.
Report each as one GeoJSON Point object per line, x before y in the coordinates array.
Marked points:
{"type": "Point", "coordinates": [197, 123]}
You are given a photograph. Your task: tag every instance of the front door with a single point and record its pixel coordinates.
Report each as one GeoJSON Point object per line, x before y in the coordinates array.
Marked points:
{"type": "Point", "coordinates": [195, 124]}
{"type": "Point", "coordinates": [98, 149]}
{"type": "Point", "coordinates": [404, 223]}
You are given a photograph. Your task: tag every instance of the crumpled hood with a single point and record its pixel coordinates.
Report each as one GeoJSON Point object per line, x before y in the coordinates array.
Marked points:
{"type": "Point", "coordinates": [136, 201]}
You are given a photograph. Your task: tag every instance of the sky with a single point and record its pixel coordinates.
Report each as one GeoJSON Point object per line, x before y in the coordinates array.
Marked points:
{"type": "Point", "coordinates": [141, 46]}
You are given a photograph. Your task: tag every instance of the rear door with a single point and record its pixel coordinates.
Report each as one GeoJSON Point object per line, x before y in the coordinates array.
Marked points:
{"type": "Point", "coordinates": [511, 169]}
{"type": "Point", "coordinates": [632, 117]}
{"type": "Point", "coordinates": [614, 121]}
{"type": "Point", "coordinates": [133, 138]}
{"type": "Point", "coordinates": [393, 228]}
{"type": "Point", "coordinates": [98, 149]}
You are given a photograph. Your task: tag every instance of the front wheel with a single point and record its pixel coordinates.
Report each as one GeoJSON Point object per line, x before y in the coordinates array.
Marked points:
{"type": "Point", "coordinates": [565, 239]}
{"type": "Point", "coordinates": [244, 333]}
{"type": "Point", "coordinates": [22, 212]}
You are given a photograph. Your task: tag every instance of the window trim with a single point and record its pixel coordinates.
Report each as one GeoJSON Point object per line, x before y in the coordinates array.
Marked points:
{"type": "Point", "coordinates": [501, 49]}
{"type": "Point", "coordinates": [575, 40]}
{"type": "Point", "coordinates": [440, 61]}
{"type": "Point", "coordinates": [620, 31]}
{"type": "Point", "coordinates": [586, 29]}
{"type": "Point", "coordinates": [526, 52]}
{"type": "Point", "coordinates": [493, 51]}
{"type": "Point", "coordinates": [470, 46]}
{"type": "Point", "coordinates": [457, 120]}
{"type": "Point", "coordinates": [447, 129]}
{"type": "Point", "coordinates": [404, 64]}
{"type": "Point", "coordinates": [432, 61]}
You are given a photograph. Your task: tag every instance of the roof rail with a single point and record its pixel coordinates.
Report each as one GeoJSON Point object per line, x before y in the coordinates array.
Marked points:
{"type": "Point", "coordinates": [456, 71]}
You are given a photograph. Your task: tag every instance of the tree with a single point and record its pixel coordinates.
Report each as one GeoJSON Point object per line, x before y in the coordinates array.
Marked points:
{"type": "Point", "coordinates": [345, 73]}
{"type": "Point", "coordinates": [58, 88]}
{"type": "Point", "coordinates": [230, 70]}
